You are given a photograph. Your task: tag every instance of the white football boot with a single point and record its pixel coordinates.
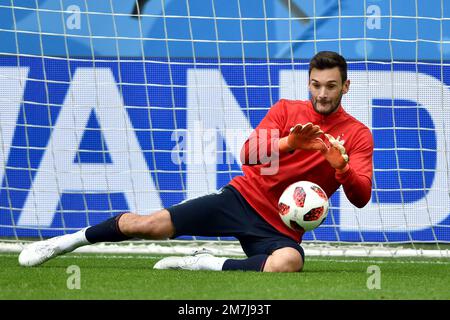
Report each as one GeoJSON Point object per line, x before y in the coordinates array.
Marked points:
{"type": "Point", "coordinates": [39, 252]}
{"type": "Point", "coordinates": [200, 260]}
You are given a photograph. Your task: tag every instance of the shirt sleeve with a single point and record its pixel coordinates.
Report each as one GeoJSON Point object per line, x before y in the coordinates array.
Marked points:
{"type": "Point", "coordinates": [262, 145]}
{"type": "Point", "coordinates": [357, 180]}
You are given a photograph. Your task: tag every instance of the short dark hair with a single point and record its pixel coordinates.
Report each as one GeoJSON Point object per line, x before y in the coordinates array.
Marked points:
{"type": "Point", "coordinates": [328, 60]}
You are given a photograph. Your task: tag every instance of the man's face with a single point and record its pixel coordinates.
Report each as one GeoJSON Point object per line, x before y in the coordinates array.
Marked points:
{"type": "Point", "coordinates": [326, 89]}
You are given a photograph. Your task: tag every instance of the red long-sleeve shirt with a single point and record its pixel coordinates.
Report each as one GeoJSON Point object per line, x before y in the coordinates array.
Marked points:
{"type": "Point", "coordinates": [262, 189]}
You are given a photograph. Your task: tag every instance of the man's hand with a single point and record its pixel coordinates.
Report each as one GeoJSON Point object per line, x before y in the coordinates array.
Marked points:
{"type": "Point", "coordinates": [304, 137]}
{"type": "Point", "coordinates": [335, 153]}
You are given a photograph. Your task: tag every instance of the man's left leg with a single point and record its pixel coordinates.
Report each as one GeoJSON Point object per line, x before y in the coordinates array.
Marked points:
{"type": "Point", "coordinates": [286, 259]}
{"type": "Point", "coordinates": [206, 261]}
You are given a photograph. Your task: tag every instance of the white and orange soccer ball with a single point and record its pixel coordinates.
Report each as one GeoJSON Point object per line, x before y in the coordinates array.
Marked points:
{"type": "Point", "coordinates": [303, 205]}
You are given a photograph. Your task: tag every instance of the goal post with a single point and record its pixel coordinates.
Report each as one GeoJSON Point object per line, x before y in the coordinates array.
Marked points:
{"type": "Point", "coordinates": [113, 106]}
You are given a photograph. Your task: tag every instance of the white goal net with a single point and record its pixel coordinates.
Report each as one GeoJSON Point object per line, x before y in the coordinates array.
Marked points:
{"type": "Point", "coordinates": [110, 106]}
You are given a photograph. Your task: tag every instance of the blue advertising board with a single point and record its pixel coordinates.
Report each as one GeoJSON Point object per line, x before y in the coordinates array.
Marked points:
{"type": "Point", "coordinates": [86, 140]}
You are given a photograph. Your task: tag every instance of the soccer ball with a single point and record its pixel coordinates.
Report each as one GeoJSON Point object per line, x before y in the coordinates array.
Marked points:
{"type": "Point", "coordinates": [303, 206]}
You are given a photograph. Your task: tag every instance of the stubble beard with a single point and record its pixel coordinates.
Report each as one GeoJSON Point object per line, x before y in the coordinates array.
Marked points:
{"type": "Point", "coordinates": [330, 111]}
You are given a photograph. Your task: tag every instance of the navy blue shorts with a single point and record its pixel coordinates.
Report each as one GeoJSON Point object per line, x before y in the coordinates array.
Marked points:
{"type": "Point", "coordinates": [227, 214]}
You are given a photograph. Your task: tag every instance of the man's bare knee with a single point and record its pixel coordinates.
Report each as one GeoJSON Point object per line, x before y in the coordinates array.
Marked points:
{"type": "Point", "coordinates": [156, 226]}
{"type": "Point", "coordinates": [284, 260]}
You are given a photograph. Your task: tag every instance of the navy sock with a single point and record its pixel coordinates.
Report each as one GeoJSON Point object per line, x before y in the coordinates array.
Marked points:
{"type": "Point", "coordinates": [106, 231]}
{"type": "Point", "coordinates": [253, 263]}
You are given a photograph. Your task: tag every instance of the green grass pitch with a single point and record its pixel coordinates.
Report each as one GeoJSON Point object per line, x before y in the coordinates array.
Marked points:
{"type": "Point", "coordinates": [132, 277]}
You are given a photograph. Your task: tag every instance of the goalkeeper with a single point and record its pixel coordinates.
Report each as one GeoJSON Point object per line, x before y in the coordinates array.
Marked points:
{"type": "Point", "coordinates": [314, 140]}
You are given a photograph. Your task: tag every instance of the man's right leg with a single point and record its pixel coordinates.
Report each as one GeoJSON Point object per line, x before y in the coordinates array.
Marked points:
{"type": "Point", "coordinates": [157, 226]}
{"type": "Point", "coordinates": [119, 228]}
